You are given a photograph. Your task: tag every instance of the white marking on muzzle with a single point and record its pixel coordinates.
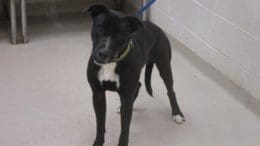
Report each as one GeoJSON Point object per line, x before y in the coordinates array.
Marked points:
{"type": "Point", "coordinates": [108, 43]}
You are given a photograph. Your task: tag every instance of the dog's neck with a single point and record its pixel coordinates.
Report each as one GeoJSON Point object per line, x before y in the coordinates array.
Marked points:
{"type": "Point", "coordinates": [126, 52]}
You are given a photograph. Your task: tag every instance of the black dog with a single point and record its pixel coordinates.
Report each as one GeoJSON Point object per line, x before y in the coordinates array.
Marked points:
{"type": "Point", "coordinates": [122, 45]}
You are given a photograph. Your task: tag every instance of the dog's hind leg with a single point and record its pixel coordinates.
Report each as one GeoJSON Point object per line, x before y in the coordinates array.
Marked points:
{"type": "Point", "coordinates": [164, 67]}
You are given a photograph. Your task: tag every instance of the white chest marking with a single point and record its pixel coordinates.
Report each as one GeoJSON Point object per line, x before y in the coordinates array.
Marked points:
{"type": "Point", "coordinates": [107, 73]}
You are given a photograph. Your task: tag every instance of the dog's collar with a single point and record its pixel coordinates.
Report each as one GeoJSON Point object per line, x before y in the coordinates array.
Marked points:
{"type": "Point", "coordinates": [129, 47]}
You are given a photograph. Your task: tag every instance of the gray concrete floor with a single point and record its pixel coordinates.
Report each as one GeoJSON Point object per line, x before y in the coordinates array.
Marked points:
{"type": "Point", "coordinates": [46, 101]}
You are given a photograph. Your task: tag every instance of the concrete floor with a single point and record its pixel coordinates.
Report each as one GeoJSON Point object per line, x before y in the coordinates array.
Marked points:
{"type": "Point", "coordinates": [46, 101]}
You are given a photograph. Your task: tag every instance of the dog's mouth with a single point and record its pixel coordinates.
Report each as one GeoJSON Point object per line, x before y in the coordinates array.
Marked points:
{"type": "Point", "coordinates": [107, 61]}
{"type": "Point", "coordinates": [99, 62]}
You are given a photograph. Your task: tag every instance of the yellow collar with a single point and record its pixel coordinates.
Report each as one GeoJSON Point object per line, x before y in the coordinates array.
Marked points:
{"type": "Point", "coordinates": [130, 45]}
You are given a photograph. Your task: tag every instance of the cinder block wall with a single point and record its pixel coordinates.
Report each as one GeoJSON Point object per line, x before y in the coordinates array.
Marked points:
{"type": "Point", "coordinates": [225, 33]}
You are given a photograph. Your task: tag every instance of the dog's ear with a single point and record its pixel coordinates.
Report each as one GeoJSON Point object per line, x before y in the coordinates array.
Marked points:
{"type": "Point", "coordinates": [95, 10]}
{"type": "Point", "coordinates": [132, 23]}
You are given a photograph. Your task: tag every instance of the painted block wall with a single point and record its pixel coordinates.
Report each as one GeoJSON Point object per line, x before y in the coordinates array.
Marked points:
{"type": "Point", "coordinates": [225, 33]}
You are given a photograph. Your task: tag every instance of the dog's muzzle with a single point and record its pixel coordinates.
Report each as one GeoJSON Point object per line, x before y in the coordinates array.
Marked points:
{"type": "Point", "coordinates": [118, 57]}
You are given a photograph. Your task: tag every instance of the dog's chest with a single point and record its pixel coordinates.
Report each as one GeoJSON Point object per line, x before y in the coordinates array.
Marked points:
{"type": "Point", "coordinates": [107, 74]}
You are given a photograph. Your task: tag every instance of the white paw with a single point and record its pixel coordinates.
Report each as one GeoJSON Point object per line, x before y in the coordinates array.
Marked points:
{"type": "Point", "coordinates": [178, 119]}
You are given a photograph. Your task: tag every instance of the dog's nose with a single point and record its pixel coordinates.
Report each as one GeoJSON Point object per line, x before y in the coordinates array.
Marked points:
{"type": "Point", "coordinates": [102, 54]}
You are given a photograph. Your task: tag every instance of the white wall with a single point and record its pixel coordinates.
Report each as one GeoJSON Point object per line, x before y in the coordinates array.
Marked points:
{"type": "Point", "coordinates": [225, 33]}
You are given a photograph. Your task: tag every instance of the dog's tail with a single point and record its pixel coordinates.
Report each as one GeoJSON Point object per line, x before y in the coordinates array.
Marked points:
{"type": "Point", "coordinates": [148, 75]}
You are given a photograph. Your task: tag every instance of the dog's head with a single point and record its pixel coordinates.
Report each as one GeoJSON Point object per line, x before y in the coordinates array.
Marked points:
{"type": "Point", "coordinates": [110, 33]}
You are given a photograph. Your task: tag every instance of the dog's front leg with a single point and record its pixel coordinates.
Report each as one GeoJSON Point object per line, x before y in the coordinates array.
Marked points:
{"type": "Point", "coordinates": [126, 116]}
{"type": "Point", "coordinates": [99, 103]}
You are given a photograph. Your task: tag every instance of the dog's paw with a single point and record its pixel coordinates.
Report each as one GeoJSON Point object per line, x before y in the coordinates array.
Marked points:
{"type": "Point", "coordinates": [99, 142]}
{"type": "Point", "coordinates": [178, 119]}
